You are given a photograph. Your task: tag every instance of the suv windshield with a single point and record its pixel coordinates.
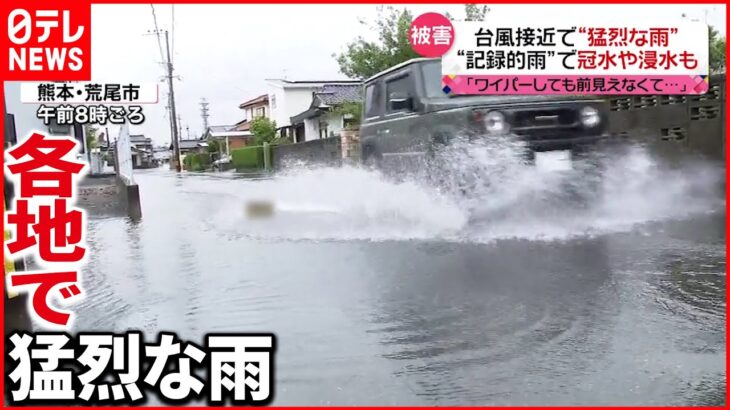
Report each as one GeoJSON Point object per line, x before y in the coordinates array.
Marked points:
{"type": "Point", "coordinates": [432, 79]}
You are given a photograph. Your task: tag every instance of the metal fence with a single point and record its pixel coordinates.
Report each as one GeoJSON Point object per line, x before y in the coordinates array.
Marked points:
{"type": "Point", "coordinates": [674, 125]}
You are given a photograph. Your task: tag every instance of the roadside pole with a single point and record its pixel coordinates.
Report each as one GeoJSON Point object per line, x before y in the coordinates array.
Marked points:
{"type": "Point", "coordinates": [173, 113]}
{"type": "Point", "coordinates": [267, 156]}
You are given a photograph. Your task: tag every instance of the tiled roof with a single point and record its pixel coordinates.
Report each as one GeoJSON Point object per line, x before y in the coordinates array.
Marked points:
{"type": "Point", "coordinates": [261, 99]}
{"type": "Point", "coordinates": [220, 128]}
{"type": "Point", "coordinates": [333, 94]}
{"type": "Point", "coordinates": [189, 144]}
{"type": "Point", "coordinates": [139, 138]}
{"type": "Point", "coordinates": [311, 84]}
{"type": "Point", "coordinates": [310, 113]}
{"type": "Point", "coordinates": [329, 95]}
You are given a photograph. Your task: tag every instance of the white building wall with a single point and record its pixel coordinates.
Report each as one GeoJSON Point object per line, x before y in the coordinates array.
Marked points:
{"type": "Point", "coordinates": [311, 129]}
{"type": "Point", "coordinates": [278, 112]}
{"type": "Point", "coordinates": [334, 124]}
{"type": "Point", "coordinates": [289, 102]}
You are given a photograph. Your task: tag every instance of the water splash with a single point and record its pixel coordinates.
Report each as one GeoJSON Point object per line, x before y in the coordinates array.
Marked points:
{"type": "Point", "coordinates": [482, 192]}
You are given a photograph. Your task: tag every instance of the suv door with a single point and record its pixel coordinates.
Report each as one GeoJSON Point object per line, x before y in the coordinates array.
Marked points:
{"type": "Point", "coordinates": [370, 129]}
{"type": "Point", "coordinates": [400, 146]}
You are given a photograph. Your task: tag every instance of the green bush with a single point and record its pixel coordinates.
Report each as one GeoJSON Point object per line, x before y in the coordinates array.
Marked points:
{"type": "Point", "coordinates": [247, 158]}
{"type": "Point", "coordinates": [197, 162]}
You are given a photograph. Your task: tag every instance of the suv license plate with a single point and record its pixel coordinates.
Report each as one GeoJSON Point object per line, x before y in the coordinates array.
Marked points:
{"type": "Point", "coordinates": [550, 161]}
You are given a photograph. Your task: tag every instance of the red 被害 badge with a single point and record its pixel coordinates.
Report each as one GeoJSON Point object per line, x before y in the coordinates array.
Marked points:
{"type": "Point", "coordinates": [431, 35]}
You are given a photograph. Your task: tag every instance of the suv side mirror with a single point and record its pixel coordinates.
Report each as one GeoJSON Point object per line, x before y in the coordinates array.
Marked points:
{"type": "Point", "coordinates": [400, 102]}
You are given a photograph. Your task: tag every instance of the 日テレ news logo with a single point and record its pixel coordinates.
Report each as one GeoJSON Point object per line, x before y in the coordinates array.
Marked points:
{"type": "Point", "coordinates": [47, 41]}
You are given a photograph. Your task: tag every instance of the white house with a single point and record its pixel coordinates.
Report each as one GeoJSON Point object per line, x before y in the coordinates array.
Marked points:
{"type": "Point", "coordinates": [320, 120]}
{"type": "Point", "coordinates": [289, 98]}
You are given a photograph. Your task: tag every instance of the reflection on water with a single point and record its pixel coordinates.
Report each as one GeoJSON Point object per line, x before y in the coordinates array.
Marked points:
{"type": "Point", "coordinates": [472, 317]}
{"type": "Point", "coordinates": [629, 316]}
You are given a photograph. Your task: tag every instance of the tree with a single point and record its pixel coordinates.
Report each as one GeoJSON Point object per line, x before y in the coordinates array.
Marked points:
{"type": "Point", "coordinates": [366, 58]}
{"type": "Point", "coordinates": [351, 110]}
{"type": "Point", "coordinates": [717, 51]}
{"type": "Point", "coordinates": [263, 130]}
{"type": "Point", "coordinates": [475, 12]}
{"type": "Point", "coordinates": [214, 145]}
{"type": "Point", "coordinates": [363, 59]}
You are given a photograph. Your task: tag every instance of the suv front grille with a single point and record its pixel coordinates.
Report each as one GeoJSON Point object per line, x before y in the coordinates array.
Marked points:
{"type": "Point", "coordinates": [547, 123]}
{"type": "Point", "coordinates": [544, 118]}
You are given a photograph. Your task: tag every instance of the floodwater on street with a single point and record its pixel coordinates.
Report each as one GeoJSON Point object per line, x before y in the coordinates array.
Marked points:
{"type": "Point", "coordinates": [390, 293]}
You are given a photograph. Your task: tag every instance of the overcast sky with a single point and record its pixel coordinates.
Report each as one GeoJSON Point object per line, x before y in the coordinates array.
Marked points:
{"type": "Point", "coordinates": [224, 52]}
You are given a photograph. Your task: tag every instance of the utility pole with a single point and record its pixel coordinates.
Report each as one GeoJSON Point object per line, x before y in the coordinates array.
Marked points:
{"type": "Point", "coordinates": [179, 126]}
{"type": "Point", "coordinates": [173, 113]}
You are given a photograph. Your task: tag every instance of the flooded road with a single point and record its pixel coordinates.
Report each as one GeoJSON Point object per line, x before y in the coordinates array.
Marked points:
{"type": "Point", "coordinates": [382, 293]}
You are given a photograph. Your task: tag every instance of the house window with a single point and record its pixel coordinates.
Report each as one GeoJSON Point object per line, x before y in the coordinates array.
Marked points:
{"type": "Point", "coordinates": [261, 111]}
{"type": "Point", "coordinates": [273, 101]}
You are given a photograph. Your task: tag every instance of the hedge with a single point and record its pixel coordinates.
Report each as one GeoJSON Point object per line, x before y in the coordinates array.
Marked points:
{"type": "Point", "coordinates": [248, 157]}
{"type": "Point", "coordinates": [197, 162]}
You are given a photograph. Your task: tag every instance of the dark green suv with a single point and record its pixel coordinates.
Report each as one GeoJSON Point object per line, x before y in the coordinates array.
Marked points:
{"type": "Point", "coordinates": [406, 114]}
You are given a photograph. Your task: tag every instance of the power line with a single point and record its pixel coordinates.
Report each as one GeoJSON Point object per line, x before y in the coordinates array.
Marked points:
{"type": "Point", "coordinates": [159, 45]}
{"type": "Point", "coordinates": [171, 105]}
{"type": "Point", "coordinates": [157, 31]}
{"type": "Point", "coordinates": [172, 43]}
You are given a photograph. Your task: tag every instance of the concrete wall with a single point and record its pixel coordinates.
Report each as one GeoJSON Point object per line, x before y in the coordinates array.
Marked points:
{"type": "Point", "coordinates": [674, 125]}
{"type": "Point", "coordinates": [129, 197]}
{"type": "Point", "coordinates": [326, 151]}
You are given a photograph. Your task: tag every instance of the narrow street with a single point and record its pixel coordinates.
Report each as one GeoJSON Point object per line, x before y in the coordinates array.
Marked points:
{"type": "Point", "coordinates": [381, 294]}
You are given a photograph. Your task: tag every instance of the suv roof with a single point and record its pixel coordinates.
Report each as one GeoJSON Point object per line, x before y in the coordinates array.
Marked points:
{"type": "Point", "coordinates": [398, 67]}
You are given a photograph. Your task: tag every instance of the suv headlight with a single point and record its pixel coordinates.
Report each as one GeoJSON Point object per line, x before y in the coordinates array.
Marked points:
{"type": "Point", "coordinates": [495, 123]}
{"type": "Point", "coordinates": [589, 117]}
